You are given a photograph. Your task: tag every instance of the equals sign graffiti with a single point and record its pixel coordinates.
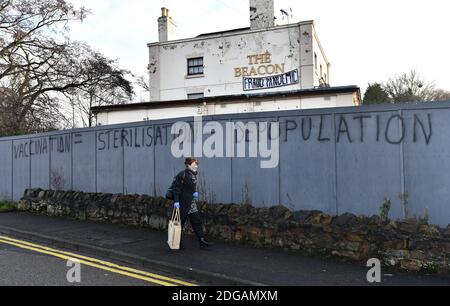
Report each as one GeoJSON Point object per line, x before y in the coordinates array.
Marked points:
{"type": "Point", "coordinates": [78, 138]}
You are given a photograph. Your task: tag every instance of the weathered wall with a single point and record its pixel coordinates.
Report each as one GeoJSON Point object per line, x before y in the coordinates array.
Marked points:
{"type": "Point", "coordinates": [290, 45]}
{"type": "Point", "coordinates": [262, 14]}
{"type": "Point", "coordinates": [334, 160]}
{"type": "Point", "coordinates": [411, 244]}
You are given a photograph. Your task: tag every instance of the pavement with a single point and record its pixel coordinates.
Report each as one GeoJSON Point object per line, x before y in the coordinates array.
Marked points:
{"type": "Point", "coordinates": [224, 264]}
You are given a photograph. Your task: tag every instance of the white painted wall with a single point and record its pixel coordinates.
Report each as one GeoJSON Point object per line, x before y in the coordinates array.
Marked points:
{"type": "Point", "coordinates": [218, 108]}
{"type": "Point", "coordinates": [321, 62]}
{"type": "Point", "coordinates": [292, 45]}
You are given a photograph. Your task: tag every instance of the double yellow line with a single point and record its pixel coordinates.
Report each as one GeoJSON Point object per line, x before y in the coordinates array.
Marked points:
{"type": "Point", "coordinates": [96, 263]}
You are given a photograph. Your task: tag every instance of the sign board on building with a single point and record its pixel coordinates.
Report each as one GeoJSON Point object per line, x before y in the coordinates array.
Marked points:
{"type": "Point", "coordinates": [273, 81]}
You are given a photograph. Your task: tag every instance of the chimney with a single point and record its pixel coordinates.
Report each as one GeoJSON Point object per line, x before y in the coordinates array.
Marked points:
{"type": "Point", "coordinates": [262, 14]}
{"type": "Point", "coordinates": [166, 26]}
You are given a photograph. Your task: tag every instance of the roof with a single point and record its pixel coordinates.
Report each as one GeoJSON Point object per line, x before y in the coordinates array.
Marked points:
{"type": "Point", "coordinates": [228, 33]}
{"type": "Point", "coordinates": [225, 32]}
{"type": "Point", "coordinates": [230, 98]}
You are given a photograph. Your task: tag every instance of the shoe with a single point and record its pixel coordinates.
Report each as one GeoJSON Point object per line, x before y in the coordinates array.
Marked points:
{"type": "Point", "coordinates": [204, 243]}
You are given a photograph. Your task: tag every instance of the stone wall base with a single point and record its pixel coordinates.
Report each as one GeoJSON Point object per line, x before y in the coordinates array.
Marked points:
{"type": "Point", "coordinates": [411, 245]}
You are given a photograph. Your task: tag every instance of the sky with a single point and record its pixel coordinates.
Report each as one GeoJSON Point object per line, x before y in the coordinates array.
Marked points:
{"type": "Point", "coordinates": [365, 41]}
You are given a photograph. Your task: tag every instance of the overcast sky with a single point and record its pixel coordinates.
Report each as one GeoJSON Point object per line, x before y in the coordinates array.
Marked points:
{"type": "Point", "coordinates": [365, 41]}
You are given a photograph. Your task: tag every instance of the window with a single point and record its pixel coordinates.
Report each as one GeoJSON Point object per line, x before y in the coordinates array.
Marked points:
{"type": "Point", "coordinates": [195, 66]}
{"type": "Point", "coordinates": [321, 70]}
{"type": "Point", "coordinates": [315, 61]}
{"type": "Point", "coordinates": [195, 96]}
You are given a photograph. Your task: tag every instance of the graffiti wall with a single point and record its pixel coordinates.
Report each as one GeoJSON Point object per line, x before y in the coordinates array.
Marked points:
{"type": "Point", "coordinates": [335, 160]}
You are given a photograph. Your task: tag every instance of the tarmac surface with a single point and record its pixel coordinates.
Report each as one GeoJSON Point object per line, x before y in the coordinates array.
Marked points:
{"type": "Point", "coordinates": [222, 264]}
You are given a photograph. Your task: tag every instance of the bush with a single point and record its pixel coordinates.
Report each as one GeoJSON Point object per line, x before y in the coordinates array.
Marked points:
{"type": "Point", "coordinates": [6, 206]}
{"type": "Point", "coordinates": [429, 268]}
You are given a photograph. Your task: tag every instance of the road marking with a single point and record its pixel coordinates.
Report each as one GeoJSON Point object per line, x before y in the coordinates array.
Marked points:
{"type": "Point", "coordinates": [155, 281]}
{"type": "Point", "coordinates": [100, 264]}
{"type": "Point", "coordinates": [105, 263]}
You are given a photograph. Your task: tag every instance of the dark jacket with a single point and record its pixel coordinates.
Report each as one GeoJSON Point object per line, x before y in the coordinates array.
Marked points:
{"type": "Point", "coordinates": [184, 189]}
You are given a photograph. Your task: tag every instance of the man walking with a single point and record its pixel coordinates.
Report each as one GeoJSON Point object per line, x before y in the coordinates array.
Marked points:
{"type": "Point", "coordinates": [186, 194]}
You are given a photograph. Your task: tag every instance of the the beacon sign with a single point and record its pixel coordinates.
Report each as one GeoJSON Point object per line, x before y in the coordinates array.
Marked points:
{"type": "Point", "coordinates": [263, 74]}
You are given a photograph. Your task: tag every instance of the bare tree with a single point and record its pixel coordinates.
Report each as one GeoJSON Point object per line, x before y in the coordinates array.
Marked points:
{"type": "Point", "coordinates": [25, 26]}
{"type": "Point", "coordinates": [40, 68]}
{"type": "Point", "coordinates": [143, 82]}
{"type": "Point", "coordinates": [43, 115]}
{"type": "Point", "coordinates": [75, 71]}
{"type": "Point", "coordinates": [441, 95]}
{"type": "Point", "coordinates": [110, 87]}
{"type": "Point", "coordinates": [409, 87]}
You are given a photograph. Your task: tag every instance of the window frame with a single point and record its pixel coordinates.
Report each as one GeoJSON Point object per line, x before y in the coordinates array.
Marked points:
{"type": "Point", "coordinates": [200, 95]}
{"type": "Point", "coordinates": [200, 67]}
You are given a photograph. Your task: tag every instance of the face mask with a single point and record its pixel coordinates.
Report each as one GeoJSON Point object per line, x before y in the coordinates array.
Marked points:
{"type": "Point", "coordinates": [194, 167]}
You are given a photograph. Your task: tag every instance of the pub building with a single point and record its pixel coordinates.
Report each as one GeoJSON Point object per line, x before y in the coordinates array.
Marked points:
{"type": "Point", "coordinates": [261, 68]}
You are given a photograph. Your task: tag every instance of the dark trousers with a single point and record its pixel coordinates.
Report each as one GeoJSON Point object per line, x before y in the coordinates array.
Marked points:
{"type": "Point", "coordinates": [196, 222]}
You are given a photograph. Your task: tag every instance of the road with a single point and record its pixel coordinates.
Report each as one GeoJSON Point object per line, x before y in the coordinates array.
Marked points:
{"type": "Point", "coordinates": [224, 264]}
{"type": "Point", "coordinates": [28, 264]}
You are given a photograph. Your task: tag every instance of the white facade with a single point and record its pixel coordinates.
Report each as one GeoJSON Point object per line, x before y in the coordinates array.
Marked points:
{"type": "Point", "coordinates": [262, 68]}
{"type": "Point", "coordinates": [228, 57]}
{"type": "Point", "coordinates": [108, 115]}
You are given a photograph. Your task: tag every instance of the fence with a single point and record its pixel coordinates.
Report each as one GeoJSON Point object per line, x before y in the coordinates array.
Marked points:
{"type": "Point", "coordinates": [335, 160]}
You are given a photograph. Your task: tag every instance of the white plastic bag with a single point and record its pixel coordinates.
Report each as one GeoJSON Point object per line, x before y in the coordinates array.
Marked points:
{"type": "Point", "coordinates": [174, 234]}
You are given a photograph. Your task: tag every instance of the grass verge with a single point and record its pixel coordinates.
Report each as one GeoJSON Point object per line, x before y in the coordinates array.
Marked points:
{"type": "Point", "coordinates": [6, 206]}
